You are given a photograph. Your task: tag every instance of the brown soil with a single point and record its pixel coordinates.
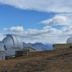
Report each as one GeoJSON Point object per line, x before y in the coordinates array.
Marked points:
{"type": "Point", "coordinates": [39, 62]}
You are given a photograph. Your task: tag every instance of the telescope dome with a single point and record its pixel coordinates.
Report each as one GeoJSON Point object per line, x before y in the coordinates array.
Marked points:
{"type": "Point", "coordinates": [69, 40]}
{"type": "Point", "coordinates": [12, 43]}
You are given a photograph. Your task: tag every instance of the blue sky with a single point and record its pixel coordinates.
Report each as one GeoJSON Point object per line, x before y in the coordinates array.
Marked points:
{"type": "Point", "coordinates": [47, 21]}
{"type": "Point", "coordinates": [11, 16]}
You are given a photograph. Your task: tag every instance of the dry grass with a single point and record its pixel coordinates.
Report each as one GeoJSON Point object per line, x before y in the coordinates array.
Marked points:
{"type": "Point", "coordinates": [39, 62]}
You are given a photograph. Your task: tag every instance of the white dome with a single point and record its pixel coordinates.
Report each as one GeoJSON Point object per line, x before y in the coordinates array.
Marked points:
{"type": "Point", "coordinates": [12, 41]}
{"type": "Point", "coordinates": [69, 40]}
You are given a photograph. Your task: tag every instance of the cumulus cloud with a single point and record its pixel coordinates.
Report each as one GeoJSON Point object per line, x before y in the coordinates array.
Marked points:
{"type": "Point", "coordinates": [41, 5]}
{"type": "Point", "coordinates": [60, 27]}
{"type": "Point", "coordinates": [57, 19]}
{"type": "Point", "coordinates": [45, 35]}
{"type": "Point", "coordinates": [62, 22]}
{"type": "Point", "coordinates": [15, 29]}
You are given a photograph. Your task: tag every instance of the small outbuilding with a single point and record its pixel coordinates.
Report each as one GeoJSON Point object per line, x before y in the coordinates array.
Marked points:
{"type": "Point", "coordinates": [24, 52]}
{"type": "Point", "coordinates": [62, 46]}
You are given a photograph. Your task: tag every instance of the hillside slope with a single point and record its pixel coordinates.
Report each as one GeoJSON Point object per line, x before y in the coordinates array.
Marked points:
{"type": "Point", "coordinates": [39, 62]}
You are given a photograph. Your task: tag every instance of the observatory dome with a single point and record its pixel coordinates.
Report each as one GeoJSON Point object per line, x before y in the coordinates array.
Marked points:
{"type": "Point", "coordinates": [13, 41]}
{"type": "Point", "coordinates": [69, 40]}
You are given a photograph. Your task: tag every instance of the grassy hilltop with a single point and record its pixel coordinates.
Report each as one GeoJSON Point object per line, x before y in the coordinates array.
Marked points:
{"type": "Point", "coordinates": [39, 62]}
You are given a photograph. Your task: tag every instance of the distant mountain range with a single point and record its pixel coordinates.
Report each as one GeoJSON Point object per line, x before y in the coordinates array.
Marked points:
{"type": "Point", "coordinates": [39, 46]}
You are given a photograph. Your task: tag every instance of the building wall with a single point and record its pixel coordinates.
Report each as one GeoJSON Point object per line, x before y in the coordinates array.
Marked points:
{"type": "Point", "coordinates": [29, 49]}
{"type": "Point", "coordinates": [62, 46]}
{"type": "Point", "coordinates": [24, 52]}
{"type": "Point", "coordinates": [11, 44]}
{"type": "Point", "coordinates": [2, 55]}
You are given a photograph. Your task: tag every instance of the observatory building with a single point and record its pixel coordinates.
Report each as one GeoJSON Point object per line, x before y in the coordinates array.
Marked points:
{"type": "Point", "coordinates": [11, 45]}
{"type": "Point", "coordinates": [64, 47]}
{"type": "Point", "coordinates": [69, 40]}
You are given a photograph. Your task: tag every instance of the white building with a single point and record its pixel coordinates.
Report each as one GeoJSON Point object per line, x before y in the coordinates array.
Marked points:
{"type": "Point", "coordinates": [12, 43]}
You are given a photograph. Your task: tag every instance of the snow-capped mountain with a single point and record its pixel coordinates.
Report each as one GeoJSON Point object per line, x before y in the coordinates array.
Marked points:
{"type": "Point", "coordinates": [39, 46]}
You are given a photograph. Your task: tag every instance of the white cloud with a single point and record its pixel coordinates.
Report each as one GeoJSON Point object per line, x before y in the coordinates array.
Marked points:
{"type": "Point", "coordinates": [63, 20]}
{"type": "Point", "coordinates": [15, 29]}
{"type": "Point", "coordinates": [41, 5]}
{"type": "Point", "coordinates": [57, 19]}
{"type": "Point", "coordinates": [45, 35]}
{"type": "Point", "coordinates": [58, 34]}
